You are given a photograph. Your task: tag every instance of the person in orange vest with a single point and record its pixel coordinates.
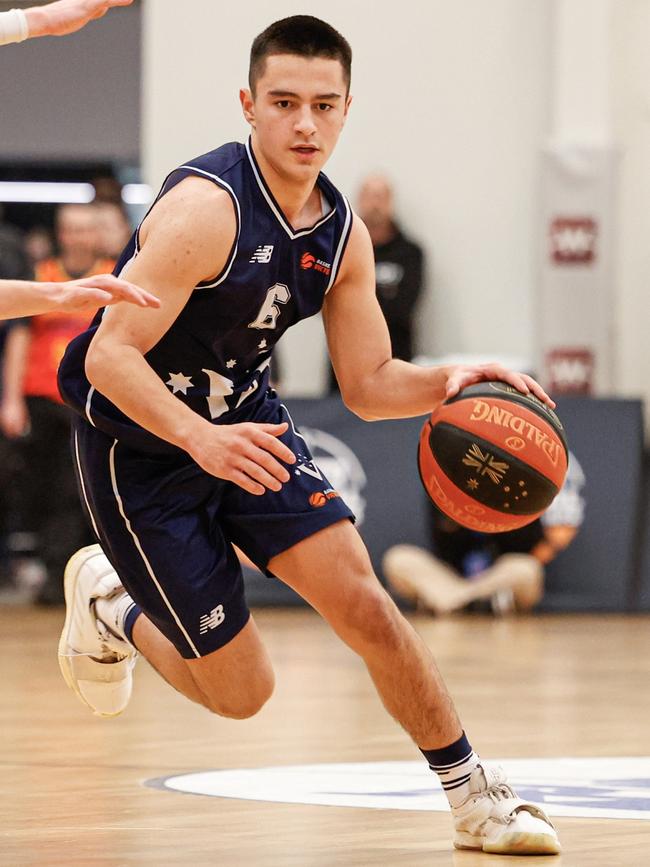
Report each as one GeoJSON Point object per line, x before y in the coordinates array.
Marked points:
{"type": "Point", "coordinates": [32, 415]}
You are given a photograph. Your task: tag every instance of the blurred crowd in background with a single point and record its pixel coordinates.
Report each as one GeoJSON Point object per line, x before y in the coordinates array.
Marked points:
{"type": "Point", "coordinates": [41, 519]}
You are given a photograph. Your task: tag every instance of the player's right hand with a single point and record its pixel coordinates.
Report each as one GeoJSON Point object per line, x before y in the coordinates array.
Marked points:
{"type": "Point", "coordinates": [103, 290]}
{"type": "Point", "coordinates": [247, 454]}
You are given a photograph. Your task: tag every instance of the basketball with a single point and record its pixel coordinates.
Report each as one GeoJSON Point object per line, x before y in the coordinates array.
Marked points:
{"type": "Point", "coordinates": [492, 458]}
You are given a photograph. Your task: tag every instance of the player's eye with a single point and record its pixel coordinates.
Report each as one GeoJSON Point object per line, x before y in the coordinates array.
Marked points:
{"type": "Point", "coordinates": [283, 103]}
{"type": "Point", "coordinates": [324, 106]}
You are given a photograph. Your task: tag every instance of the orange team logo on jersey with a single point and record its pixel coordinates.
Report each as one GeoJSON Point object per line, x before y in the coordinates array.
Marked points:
{"type": "Point", "coordinates": [308, 260]}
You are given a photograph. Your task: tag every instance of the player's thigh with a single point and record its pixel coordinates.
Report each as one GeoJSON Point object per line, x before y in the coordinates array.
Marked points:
{"type": "Point", "coordinates": [331, 570]}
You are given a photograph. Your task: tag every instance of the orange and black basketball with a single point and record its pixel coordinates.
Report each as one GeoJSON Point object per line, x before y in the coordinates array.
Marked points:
{"type": "Point", "coordinates": [492, 458]}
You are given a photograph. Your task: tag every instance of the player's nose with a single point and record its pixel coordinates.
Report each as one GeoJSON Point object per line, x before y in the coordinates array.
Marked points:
{"type": "Point", "coordinates": [305, 124]}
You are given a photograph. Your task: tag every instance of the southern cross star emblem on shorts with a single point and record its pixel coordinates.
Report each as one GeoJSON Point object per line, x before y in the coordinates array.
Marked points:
{"type": "Point", "coordinates": [179, 382]}
{"type": "Point", "coordinates": [262, 344]}
{"type": "Point", "coordinates": [230, 364]}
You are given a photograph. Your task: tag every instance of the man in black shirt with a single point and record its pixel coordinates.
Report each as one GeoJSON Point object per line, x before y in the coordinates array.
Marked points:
{"type": "Point", "coordinates": [398, 266]}
{"type": "Point", "coordinates": [398, 263]}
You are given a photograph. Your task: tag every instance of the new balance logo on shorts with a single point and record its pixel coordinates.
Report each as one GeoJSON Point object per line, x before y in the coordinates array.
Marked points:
{"type": "Point", "coordinates": [212, 620]}
{"type": "Point", "coordinates": [262, 254]}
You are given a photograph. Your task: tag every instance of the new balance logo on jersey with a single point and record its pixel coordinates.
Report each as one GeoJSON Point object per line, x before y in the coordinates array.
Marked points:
{"type": "Point", "coordinates": [263, 254]}
{"type": "Point", "coordinates": [212, 620]}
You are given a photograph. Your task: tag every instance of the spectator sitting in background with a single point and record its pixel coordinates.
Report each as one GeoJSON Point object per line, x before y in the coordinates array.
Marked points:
{"type": "Point", "coordinates": [398, 265]}
{"type": "Point", "coordinates": [32, 413]}
{"type": "Point", "coordinates": [507, 569]}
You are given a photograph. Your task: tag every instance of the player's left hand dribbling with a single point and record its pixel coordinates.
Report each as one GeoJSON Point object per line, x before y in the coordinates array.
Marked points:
{"type": "Point", "coordinates": [460, 376]}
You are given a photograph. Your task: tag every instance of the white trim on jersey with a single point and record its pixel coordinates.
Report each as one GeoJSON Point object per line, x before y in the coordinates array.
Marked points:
{"type": "Point", "coordinates": [83, 484]}
{"type": "Point", "coordinates": [91, 390]}
{"type": "Point", "coordinates": [342, 242]}
{"type": "Point", "coordinates": [226, 186]}
{"type": "Point", "coordinates": [278, 214]}
{"type": "Point", "coordinates": [146, 562]}
{"type": "Point", "coordinates": [293, 427]}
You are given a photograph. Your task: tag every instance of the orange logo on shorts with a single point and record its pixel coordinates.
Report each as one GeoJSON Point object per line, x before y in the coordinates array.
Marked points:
{"type": "Point", "coordinates": [319, 498]}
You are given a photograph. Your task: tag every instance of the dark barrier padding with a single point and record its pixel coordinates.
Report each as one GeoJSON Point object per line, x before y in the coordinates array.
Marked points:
{"type": "Point", "coordinates": [644, 569]}
{"type": "Point", "coordinates": [374, 467]}
{"type": "Point", "coordinates": [597, 571]}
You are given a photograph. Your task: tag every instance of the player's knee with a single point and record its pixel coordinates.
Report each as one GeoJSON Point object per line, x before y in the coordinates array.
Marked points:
{"type": "Point", "coordinates": [245, 703]}
{"type": "Point", "coordinates": [372, 618]}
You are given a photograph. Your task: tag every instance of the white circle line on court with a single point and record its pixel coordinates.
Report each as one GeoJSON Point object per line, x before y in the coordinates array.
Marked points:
{"type": "Point", "coordinates": [599, 788]}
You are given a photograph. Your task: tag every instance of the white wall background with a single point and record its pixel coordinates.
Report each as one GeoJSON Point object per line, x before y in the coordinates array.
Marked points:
{"type": "Point", "coordinates": [452, 98]}
{"type": "Point", "coordinates": [631, 126]}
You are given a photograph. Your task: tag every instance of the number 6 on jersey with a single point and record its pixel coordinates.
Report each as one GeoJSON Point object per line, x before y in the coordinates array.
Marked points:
{"type": "Point", "coordinates": [269, 311]}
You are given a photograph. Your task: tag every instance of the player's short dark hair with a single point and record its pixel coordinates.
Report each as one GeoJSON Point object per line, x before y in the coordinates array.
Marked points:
{"type": "Point", "coordinates": [303, 35]}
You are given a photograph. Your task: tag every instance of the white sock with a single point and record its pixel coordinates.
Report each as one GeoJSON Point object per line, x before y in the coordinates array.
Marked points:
{"type": "Point", "coordinates": [112, 611]}
{"type": "Point", "coordinates": [455, 778]}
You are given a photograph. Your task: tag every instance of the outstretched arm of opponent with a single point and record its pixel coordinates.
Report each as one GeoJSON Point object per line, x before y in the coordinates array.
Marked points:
{"type": "Point", "coordinates": [28, 298]}
{"type": "Point", "coordinates": [186, 239]}
{"type": "Point", "coordinates": [52, 19]}
{"type": "Point", "coordinates": [373, 384]}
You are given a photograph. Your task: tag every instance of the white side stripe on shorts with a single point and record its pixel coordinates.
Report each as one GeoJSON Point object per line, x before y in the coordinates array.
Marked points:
{"type": "Point", "coordinates": [143, 555]}
{"type": "Point", "coordinates": [83, 484]}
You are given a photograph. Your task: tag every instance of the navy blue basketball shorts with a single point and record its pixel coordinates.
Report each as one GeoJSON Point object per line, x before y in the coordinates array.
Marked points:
{"type": "Point", "coordinates": [168, 528]}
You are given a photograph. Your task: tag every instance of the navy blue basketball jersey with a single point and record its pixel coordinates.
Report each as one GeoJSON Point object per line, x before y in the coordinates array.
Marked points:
{"type": "Point", "coordinates": [216, 355]}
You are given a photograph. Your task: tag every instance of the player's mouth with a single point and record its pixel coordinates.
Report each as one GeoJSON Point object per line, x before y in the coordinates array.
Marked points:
{"type": "Point", "coordinates": [307, 152]}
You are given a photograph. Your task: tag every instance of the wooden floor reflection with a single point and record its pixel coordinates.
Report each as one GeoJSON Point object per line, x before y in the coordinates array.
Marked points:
{"type": "Point", "coordinates": [71, 785]}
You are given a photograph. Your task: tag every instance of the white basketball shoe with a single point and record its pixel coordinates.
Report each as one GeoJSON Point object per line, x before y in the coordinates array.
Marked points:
{"type": "Point", "coordinates": [493, 819]}
{"type": "Point", "coordinates": [96, 664]}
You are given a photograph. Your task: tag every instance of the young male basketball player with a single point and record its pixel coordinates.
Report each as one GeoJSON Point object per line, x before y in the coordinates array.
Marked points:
{"type": "Point", "coordinates": [182, 449]}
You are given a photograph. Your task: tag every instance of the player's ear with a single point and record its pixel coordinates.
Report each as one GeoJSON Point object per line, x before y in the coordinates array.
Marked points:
{"type": "Point", "coordinates": [348, 103]}
{"type": "Point", "coordinates": [247, 104]}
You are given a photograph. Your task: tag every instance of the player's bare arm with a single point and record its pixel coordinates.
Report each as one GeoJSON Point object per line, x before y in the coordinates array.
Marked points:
{"type": "Point", "coordinates": [373, 384]}
{"type": "Point", "coordinates": [52, 19]}
{"type": "Point", "coordinates": [67, 16]}
{"type": "Point", "coordinates": [186, 239]}
{"type": "Point", "coordinates": [29, 298]}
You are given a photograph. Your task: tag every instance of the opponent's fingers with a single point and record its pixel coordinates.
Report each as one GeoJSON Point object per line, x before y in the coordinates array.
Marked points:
{"type": "Point", "coordinates": [122, 290]}
{"type": "Point", "coordinates": [89, 296]}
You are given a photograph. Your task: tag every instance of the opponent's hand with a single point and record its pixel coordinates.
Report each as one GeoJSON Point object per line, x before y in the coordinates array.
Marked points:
{"type": "Point", "coordinates": [461, 375]}
{"type": "Point", "coordinates": [247, 454]}
{"type": "Point", "coordinates": [103, 290]}
{"type": "Point", "coordinates": [67, 16]}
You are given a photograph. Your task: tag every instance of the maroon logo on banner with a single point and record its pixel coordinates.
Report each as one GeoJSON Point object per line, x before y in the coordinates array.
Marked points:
{"type": "Point", "coordinates": [570, 371]}
{"type": "Point", "coordinates": [573, 240]}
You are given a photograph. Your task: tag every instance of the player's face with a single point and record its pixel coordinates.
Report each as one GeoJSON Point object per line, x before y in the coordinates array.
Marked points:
{"type": "Point", "coordinates": [297, 113]}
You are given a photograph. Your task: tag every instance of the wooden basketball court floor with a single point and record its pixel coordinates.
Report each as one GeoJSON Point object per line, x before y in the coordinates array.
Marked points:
{"type": "Point", "coordinates": [72, 786]}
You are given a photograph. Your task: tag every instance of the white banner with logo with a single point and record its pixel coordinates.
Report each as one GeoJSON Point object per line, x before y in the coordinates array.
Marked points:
{"type": "Point", "coordinates": [576, 281]}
